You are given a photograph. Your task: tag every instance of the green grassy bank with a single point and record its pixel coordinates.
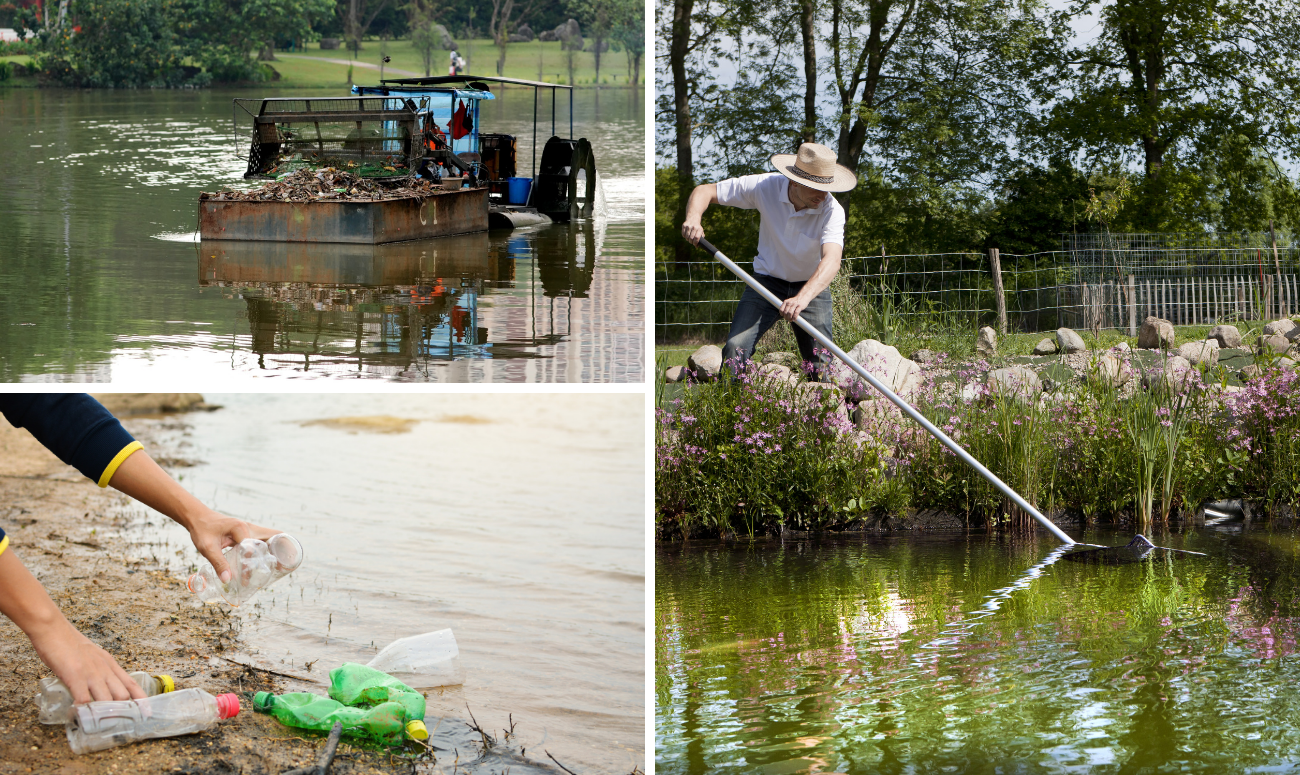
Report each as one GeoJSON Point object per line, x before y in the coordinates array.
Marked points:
{"type": "Point", "coordinates": [306, 69]}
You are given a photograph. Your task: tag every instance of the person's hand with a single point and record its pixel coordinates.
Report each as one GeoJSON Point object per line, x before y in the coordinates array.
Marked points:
{"type": "Point", "coordinates": [791, 307]}
{"type": "Point", "coordinates": [89, 672]}
{"type": "Point", "coordinates": [692, 232]}
{"type": "Point", "coordinates": [212, 532]}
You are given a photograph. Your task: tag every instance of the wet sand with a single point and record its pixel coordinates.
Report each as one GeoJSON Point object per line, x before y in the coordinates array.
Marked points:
{"type": "Point", "coordinates": [62, 527]}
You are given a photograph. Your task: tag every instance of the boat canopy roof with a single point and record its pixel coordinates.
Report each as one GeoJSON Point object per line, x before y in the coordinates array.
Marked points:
{"type": "Point", "coordinates": [439, 80]}
{"type": "Point", "coordinates": [419, 91]}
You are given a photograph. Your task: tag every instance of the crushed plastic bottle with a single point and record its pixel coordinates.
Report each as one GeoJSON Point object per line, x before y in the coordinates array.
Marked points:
{"type": "Point", "coordinates": [422, 661]}
{"type": "Point", "coordinates": [96, 726]}
{"type": "Point", "coordinates": [253, 564]}
{"type": "Point", "coordinates": [54, 701]}
{"type": "Point", "coordinates": [385, 723]}
{"type": "Point", "coordinates": [358, 685]}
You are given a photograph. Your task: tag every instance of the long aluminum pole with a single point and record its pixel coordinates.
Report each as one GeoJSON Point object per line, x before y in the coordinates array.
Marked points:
{"type": "Point", "coordinates": [897, 401]}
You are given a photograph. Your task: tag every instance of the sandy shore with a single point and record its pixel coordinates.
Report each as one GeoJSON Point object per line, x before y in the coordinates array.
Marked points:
{"type": "Point", "coordinates": [63, 528]}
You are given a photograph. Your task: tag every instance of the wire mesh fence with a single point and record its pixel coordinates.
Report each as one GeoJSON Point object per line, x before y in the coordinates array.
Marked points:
{"type": "Point", "coordinates": [1098, 286]}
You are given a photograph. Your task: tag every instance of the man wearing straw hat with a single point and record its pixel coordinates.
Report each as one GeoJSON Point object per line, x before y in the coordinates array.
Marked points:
{"type": "Point", "coordinates": [800, 241]}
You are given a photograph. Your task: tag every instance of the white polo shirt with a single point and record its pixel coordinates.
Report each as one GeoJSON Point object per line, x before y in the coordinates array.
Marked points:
{"type": "Point", "coordinates": [789, 242]}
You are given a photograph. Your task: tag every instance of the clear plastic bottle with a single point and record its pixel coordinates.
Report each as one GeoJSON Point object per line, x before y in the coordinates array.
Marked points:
{"type": "Point", "coordinates": [253, 564]}
{"type": "Point", "coordinates": [422, 661]}
{"type": "Point", "coordinates": [54, 701]}
{"type": "Point", "coordinates": [96, 726]}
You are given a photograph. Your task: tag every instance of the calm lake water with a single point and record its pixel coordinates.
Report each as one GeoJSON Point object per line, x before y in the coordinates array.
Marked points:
{"type": "Point", "coordinates": [517, 521]}
{"type": "Point", "coordinates": [957, 654]}
{"type": "Point", "coordinates": [102, 278]}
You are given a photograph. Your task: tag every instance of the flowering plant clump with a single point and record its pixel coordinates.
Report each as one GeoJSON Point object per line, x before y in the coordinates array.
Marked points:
{"type": "Point", "coordinates": [1260, 437]}
{"type": "Point", "coordinates": [757, 450]}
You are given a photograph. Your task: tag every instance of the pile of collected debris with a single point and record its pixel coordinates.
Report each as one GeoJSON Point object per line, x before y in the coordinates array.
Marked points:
{"type": "Point", "coordinates": [328, 184]}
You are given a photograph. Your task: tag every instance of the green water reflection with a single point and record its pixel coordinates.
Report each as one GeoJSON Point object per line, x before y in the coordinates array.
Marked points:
{"type": "Point", "coordinates": [941, 655]}
{"type": "Point", "coordinates": [98, 265]}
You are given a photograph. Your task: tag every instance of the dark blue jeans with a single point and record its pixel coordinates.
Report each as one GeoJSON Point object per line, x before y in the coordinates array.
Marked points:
{"type": "Point", "coordinates": [755, 315]}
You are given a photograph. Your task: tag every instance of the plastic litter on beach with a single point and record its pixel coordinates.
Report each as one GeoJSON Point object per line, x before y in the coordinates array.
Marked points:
{"type": "Point", "coordinates": [253, 563]}
{"type": "Point", "coordinates": [423, 661]}
{"type": "Point", "coordinates": [329, 184]}
{"type": "Point", "coordinates": [96, 726]}
{"type": "Point", "coordinates": [371, 705]}
{"type": "Point", "coordinates": [54, 701]}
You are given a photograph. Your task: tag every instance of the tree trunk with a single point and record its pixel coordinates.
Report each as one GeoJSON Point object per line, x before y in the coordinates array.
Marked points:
{"type": "Point", "coordinates": [353, 39]}
{"type": "Point", "coordinates": [681, 34]}
{"type": "Point", "coordinates": [808, 31]}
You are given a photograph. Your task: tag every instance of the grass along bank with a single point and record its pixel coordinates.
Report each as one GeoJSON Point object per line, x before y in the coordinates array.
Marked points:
{"type": "Point", "coordinates": [307, 69]}
{"type": "Point", "coordinates": [531, 61]}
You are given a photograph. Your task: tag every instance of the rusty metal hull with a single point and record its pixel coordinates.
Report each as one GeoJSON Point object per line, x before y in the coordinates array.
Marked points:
{"type": "Point", "coordinates": [231, 262]}
{"type": "Point", "coordinates": [368, 223]}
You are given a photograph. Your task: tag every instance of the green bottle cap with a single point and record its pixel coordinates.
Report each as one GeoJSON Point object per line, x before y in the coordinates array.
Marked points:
{"type": "Point", "coordinates": [262, 701]}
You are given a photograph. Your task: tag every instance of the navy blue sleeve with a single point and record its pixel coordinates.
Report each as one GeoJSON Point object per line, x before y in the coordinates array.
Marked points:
{"type": "Point", "coordinates": [74, 426]}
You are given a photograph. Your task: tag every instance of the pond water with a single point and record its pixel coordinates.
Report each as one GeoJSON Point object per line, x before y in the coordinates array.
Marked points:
{"type": "Point", "coordinates": [517, 521]}
{"type": "Point", "coordinates": [971, 654]}
{"type": "Point", "coordinates": [103, 279]}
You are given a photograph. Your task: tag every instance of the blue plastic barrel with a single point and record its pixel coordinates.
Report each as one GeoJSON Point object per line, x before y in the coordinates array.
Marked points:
{"type": "Point", "coordinates": [518, 190]}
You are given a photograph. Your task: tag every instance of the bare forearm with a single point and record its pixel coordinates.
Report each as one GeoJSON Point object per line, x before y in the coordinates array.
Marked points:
{"type": "Point", "coordinates": [141, 478]}
{"type": "Point", "coordinates": [699, 201]}
{"type": "Point", "coordinates": [703, 196]}
{"type": "Point", "coordinates": [24, 601]}
{"type": "Point", "coordinates": [826, 270]}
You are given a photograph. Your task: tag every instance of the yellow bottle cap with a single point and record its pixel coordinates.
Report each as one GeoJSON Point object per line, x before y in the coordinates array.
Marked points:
{"type": "Point", "coordinates": [168, 685]}
{"type": "Point", "coordinates": [417, 730]}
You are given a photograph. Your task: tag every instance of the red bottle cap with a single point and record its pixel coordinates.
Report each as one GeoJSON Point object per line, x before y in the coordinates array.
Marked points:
{"type": "Point", "coordinates": [227, 705]}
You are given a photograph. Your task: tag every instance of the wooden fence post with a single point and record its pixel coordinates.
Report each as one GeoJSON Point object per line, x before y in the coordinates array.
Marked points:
{"type": "Point", "coordinates": [995, 266]}
{"type": "Point", "coordinates": [1132, 307]}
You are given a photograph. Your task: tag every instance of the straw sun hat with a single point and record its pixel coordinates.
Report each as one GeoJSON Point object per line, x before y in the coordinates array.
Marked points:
{"type": "Point", "coordinates": [814, 166]}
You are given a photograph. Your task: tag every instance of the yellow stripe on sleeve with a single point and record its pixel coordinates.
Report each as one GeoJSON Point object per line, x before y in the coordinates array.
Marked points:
{"type": "Point", "coordinates": [4, 544]}
{"type": "Point", "coordinates": [118, 459]}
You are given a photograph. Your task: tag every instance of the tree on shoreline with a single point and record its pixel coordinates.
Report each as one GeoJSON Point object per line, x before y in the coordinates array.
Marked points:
{"type": "Point", "coordinates": [630, 33]}
{"type": "Point", "coordinates": [503, 22]}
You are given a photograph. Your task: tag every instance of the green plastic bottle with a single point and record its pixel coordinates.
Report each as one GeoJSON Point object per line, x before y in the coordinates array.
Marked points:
{"type": "Point", "coordinates": [384, 723]}
{"type": "Point", "coordinates": [358, 685]}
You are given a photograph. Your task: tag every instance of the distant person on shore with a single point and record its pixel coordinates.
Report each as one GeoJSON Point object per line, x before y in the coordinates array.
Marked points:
{"type": "Point", "coordinates": [800, 242]}
{"type": "Point", "coordinates": [83, 434]}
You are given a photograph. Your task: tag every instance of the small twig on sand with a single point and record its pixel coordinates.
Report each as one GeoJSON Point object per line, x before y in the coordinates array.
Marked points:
{"type": "Point", "coordinates": [327, 757]}
{"type": "Point", "coordinates": [561, 766]}
{"type": "Point", "coordinates": [272, 672]}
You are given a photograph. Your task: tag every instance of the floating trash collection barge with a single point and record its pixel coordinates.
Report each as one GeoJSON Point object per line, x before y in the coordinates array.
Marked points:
{"type": "Point", "coordinates": [340, 170]}
{"type": "Point", "coordinates": [401, 161]}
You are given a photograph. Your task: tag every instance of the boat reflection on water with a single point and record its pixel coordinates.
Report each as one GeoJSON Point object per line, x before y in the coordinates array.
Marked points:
{"type": "Point", "coordinates": [398, 310]}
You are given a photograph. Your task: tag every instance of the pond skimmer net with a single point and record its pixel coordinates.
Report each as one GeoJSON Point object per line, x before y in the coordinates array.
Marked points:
{"type": "Point", "coordinates": [1138, 548]}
